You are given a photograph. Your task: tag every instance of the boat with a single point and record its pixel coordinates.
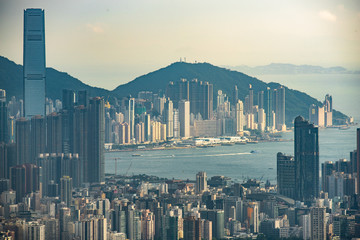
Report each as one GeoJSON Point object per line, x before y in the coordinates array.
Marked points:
{"type": "Point", "coordinates": [227, 144]}
{"type": "Point", "coordinates": [241, 143]}
{"type": "Point", "coordinates": [136, 155]}
{"type": "Point", "coordinates": [252, 142]}
{"type": "Point", "coordinates": [344, 128]}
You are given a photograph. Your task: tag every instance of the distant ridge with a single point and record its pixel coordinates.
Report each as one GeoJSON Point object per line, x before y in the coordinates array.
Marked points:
{"type": "Point", "coordinates": [286, 68]}
{"type": "Point", "coordinates": [297, 103]}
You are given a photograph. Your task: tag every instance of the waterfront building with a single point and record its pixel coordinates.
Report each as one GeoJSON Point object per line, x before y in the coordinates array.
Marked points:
{"type": "Point", "coordinates": [239, 116]}
{"type": "Point", "coordinates": [307, 159]}
{"type": "Point", "coordinates": [280, 109]}
{"type": "Point", "coordinates": [184, 118]}
{"type": "Point", "coordinates": [169, 118]}
{"type": "Point", "coordinates": [34, 62]}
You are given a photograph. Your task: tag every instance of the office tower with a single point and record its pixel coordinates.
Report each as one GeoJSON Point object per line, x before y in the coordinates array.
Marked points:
{"type": "Point", "coordinates": [192, 228]}
{"type": "Point", "coordinates": [328, 103]}
{"type": "Point", "coordinates": [280, 109]}
{"type": "Point", "coordinates": [96, 135]}
{"type": "Point", "coordinates": [306, 159]}
{"type": "Point", "coordinates": [358, 158]}
{"type": "Point", "coordinates": [4, 134]}
{"type": "Point", "coordinates": [178, 91]}
{"type": "Point", "coordinates": [54, 133]}
{"type": "Point", "coordinates": [118, 218]}
{"type": "Point", "coordinates": [108, 128]}
{"type": "Point", "coordinates": [201, 182]}
{"type": "Point", "coordinates": [252, 213]}
{"type": "Point", "coordinates": [38, 136]}
{"type": "Point", "coordinates": [235, 95]}
{"type": "Point", "coordinates": [318, 223]}
{"type": "Point", "coordinates": [268, 107]}
{"type": "Point", "coordinates": [239, 116]}
{"type": "Point", "coordinates": [184, 118]}
{"type": "Point", "coordinates": [66, 190]}
{"type": "Point", "coordinates": [23, 141]}
{"type": "Point", "coordinates": [286, 175]}
{"type": "Point", "coordinates": [34, 62]}
{"type": "Point", "coordinates": [251, 99]}
{"type": "Point", "coordinates": [147, 127]}
{"type": "Point", "coordinates": [35, 231]}
{"type": "Point", "coordinates": [80, 136]}
{"type": "Point", "coordinates": [8, 158]}
{"type": "Point", "coordinates": [83, 98]}
{"type": "Point", "coordinates": [24, 179]}
{"type": "Point", "coordinates": [138, 131]}
{"type": "Point", "coordinates": [160, 221]}
{"type": "Point", "coordinates": [130, 119]}
{"type": "Point", "coordinates": [169, 118]}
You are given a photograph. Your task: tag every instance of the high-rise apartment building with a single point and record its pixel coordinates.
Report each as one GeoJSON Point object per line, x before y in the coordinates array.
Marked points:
{"type": "Point", "coordinates": [35, 231]}
{"type": "Point", "coordinates": [280, 109]}
{"type": "Point", "coordinates": [38, 136]}
{"type": "Point", "coordinates": [169, 118]}
{"type": "Point", "coordinates": [96, 140]}
{"type": "Point", "coordinates": [54, 133]}
{"type": "Point", "coordinates": [201, 182]}
{"type": "Point", "coordinates": [34, 62]}
{"type": "Point", "coordinates": [268, 107]}
{"type": "Point", "coordinates": [318, 223]}
{"type": "Point", "coordinates": [358, 158]}
{"type": "Point", "coordinates": [184, 118]}
{"type": "Point", "coordinates": [239, 116]}
{"type": "Point", "coordinates": [200, 95]}
{"type": "Point", "coordinates": [286, 175]}
{"type": "Point", "coordinates": [4, 134]}
{"type": "Point", "coordinates": [306, 159]}
{"type": "Point", "coordinates": [23, 141]}
{"type": "Point", "coordinates": [66, 186]}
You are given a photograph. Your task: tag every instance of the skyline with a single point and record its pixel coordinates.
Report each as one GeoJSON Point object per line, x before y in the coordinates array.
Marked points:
{"type": "Point", "coordinates": [107, 41]}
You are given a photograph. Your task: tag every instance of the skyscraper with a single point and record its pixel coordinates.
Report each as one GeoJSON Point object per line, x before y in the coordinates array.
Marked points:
{"type": "Point", "coordinates": [169, 118]}
{"type": "Point", "coordinates": [201, 182]}
{"type": "Point", "coordinates": [34, 62]}
{"type": "Point", "coordinates": [80, 136]}
{"type": "Point", "coordinates": [96, 140]}
{"type": "Point", "coordinates": [131, 117]}
{"type": "Point", "coordinates": [306, 159]}
{"type": "Point", "coordinates": [358, 158]}
{"type": "Point", "coordinates": [239, 118]}
{"type": "Point", "coordinates": [268, 107]}
{"type": "Point", "coordinates": [23, 142]}
{"type": "Point", "coordinates": [251, 99]}
{"type": "Point", "coordinates": [66, 186]}
{"type": "Point", "coordinates": [38, 136]}
{"type": "Point", "coordinates": [184, 117]}
{"type": "Point", "coordinates": [54, 133]}
{"type": "Point", "coordinates": [286, 175]}
{"type": "Point", "coordinates": [280, 109]}
{"type": "Point", "coordinates": [4, 134]}
{"type": "Point", "coordinates": [318, 223]}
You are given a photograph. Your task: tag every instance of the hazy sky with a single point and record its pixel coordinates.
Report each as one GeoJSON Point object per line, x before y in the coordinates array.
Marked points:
{"type": "Point", "coordinates": [109, 42]}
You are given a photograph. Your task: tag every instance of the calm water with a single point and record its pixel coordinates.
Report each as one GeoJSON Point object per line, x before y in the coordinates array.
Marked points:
{"type": "Point", "coordinates": [344, 88]}
{"type": "Point", "coordinates": [232, 161]}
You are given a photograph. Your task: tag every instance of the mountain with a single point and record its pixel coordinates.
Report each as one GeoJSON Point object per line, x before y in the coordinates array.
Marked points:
{"type": "Point", "coordinates": [285, 68]}
{"type": "Point", "coordinates": [11, 79]}
{"type": "Point", "coordinates": [297, 103]}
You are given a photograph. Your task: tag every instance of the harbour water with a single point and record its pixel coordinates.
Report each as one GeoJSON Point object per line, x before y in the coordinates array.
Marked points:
{"type": "Point", "coordinates": [237, 161]}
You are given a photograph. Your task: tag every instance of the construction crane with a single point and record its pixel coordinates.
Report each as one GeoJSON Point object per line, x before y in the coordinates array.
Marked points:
{"type": "Point", "coordinates": [128, 169]}
{"type": "Point", "coordinates": [116, 159]}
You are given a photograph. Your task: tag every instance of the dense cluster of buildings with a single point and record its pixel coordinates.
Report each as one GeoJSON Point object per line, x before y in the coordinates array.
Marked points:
{"type": "Point", "coordinates": [53, 183]}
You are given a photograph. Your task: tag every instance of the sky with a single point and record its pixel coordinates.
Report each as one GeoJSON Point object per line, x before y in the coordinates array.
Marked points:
{"type": "Point", "coordinates": [110, 42]}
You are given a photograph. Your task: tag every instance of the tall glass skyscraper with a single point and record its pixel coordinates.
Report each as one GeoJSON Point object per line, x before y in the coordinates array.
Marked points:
{"type": "Point", "coordinates": [306, 159]}
{"type": "Point", "coordinates": [34, 62]}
